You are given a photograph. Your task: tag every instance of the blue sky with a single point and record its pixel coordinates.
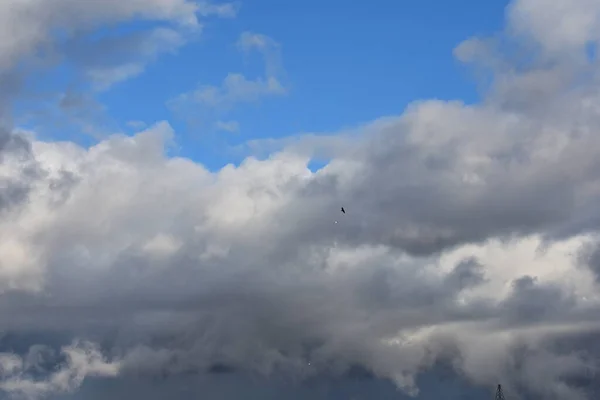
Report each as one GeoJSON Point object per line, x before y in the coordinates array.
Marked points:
{"type": "Point", "coordinates": [343, 64]}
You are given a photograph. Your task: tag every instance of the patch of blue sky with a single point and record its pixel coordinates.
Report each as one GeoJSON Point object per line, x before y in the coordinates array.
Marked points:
{"type": "Point", "coordinates": [346, 63]}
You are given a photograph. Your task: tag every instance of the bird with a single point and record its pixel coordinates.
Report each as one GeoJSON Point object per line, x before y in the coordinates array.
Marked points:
{"type": "Point", "coordinates": [344, 211]}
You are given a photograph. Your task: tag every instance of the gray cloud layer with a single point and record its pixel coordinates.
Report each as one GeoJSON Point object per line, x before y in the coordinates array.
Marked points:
{"type": "Point", "coordinates": [466, 240]}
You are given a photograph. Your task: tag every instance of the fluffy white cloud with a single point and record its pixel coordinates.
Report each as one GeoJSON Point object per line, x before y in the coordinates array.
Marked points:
{"type": "Point", "coordinates": [29, 24]}
{"type": "Point", "coordinates": [250, 267]}
{"type": "Point", "coordinates": [81, 360]}
{"type": "Point", "coordinates": [37, 27]}
{"type": "Point", "coordinates": [559, 27]}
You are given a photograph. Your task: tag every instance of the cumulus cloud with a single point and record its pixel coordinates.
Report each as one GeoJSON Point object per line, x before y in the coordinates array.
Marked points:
{"type": "Point", "coordinates": [469, 239]}
{"type": "Point", "coordinates": [562, 29]}
{"type": "Point", "coordinates": [81, 360]}
{"type": "Point", "coordinates": [31, 24]}
{"type": "Point", "coordinates": [52, 31]}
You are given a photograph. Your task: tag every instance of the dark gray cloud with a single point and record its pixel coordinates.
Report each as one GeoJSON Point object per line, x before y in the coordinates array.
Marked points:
{"type": "Point", "coordinates": [589, 257]}
{"type": "Point", "coordinates": [15, 188]}
{"type": "Point", "coordinates": [234, 387]}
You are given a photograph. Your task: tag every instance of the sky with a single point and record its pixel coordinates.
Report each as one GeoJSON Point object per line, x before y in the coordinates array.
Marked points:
{"type": "Point", "coordinates": [172, 173]}
{"type": "Point", "coordinates": [339, 66]}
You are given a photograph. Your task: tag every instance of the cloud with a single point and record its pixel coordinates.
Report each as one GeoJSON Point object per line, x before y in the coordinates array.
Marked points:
{"type": "Point", "coordinates": [29, 25]}
{"type": "Point", "coordinates": [236, 88]}
{"type": "Point", "coordinates": [135, 124]}
{"type": "Point", "coordinates": [251, 40]}
{"type": "Point", "coordinates": [228, 126]}
{"type": "Point", "coordinates": [217, 101]}
{"type": "Point", "coordinates": [87, 42]}
{"type": "Point", "coordinates": [463, 243]}
{"type": "Point", "coordinates": [113, 59]}
{"type": "Point", "coordinates": [34, 30]}
{"type": "Point", "coordinates": [81, 360]}
{"type": "Point", "coordinates": [223, 10]}
{"type": "Point", "coordinates": [560, 29]}
{"type": "Point", "coordinates": [267, 47]}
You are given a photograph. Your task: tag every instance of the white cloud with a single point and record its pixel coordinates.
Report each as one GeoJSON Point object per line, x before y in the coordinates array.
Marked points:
{"type": "Point", "coordinates": [223, 10]}
{"type": "Point", "coordinates": [251, 40]}
{"type": "Point", "coordinates": [236, 88]}
{"type": "Point", "coordinates": [228, 126]}
{"type": "Point", "coordinates": [83, 359]}
{"type": "Point", "coordinates": [136, 124]}
{"type": "Point", "coordinates": [155, 43]}
{"type": "Point", "coordinates": [161, 245]}
{"type": "Point", "coordinates": [28, 27]}
{"type": "Point", "coordinates": [258, 243]}
{"type": "Point", "coordinates": [557, 26]}
{"type": "Point", "coordinates": [269, 48]}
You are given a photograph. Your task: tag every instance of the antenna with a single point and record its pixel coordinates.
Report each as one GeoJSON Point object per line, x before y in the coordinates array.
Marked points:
{"type": "Point", "coordinates": [499, 394]}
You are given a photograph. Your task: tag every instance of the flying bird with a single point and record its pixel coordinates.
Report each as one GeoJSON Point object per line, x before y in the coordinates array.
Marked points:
{"type": "Point", "coordinates": [344, 211]}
